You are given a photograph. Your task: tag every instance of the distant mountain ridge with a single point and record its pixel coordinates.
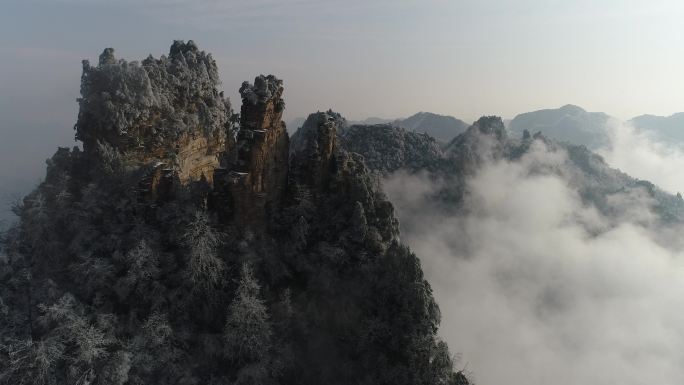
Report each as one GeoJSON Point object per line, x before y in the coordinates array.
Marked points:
{"type": "Point", "coordinates": [575, 125]}
{"type": "Point", "coordinates": [372, 120]}
{"type": "Point", "coordinates": [441, 127]}
{"type": "Point", "coordinates": [667, 128]}
{"type": "Point", "coordinates": [444, 128]}
{"type": "Point", "coordinates": [387, 149]}
{"type": "Point", "coordinates": [568, 123]}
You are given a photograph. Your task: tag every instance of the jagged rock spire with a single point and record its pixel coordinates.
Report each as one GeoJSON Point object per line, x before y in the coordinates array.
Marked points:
{"type": "Point", "coordinates": [258, 179]}
{"type": "Point", "coordinates": [491, 125]}
{"type": "Point", "coordinates": [313, 148]}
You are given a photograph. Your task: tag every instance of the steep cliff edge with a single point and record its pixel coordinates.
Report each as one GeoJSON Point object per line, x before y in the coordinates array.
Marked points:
{"type": "Point", "coordinates": [177, 249]}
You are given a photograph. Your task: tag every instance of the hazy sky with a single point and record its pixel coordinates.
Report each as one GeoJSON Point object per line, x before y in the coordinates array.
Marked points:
{"type": "Point", "coordinates": [384, 58]}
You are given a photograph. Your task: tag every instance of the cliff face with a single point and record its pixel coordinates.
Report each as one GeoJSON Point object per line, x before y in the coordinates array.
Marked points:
{"type": "Point", "coordinates": [165, 110]}
{"type": "Point", "coordinates": [314, 147]}
{"type": "Point", "coordinates": [257, 180]}
{"type": "Point", "coordinates": [169, 252]}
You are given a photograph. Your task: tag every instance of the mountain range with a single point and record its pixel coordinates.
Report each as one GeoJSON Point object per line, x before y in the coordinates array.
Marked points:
{"type": "Point", "coordinates": [186, 243]}
{"type": "Point", "coordinates": [441, 127]}
{"type": "Point", "coordinates": [569, 123]}
{"type": "Point", "coordinates": [665, 128]}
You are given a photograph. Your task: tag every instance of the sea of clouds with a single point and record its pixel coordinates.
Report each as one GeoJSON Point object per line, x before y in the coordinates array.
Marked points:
{"type": "Point", "coordinates": [538, 287]}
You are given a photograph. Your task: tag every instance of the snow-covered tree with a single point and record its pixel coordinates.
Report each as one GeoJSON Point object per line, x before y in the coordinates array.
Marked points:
{"type": "Point", "coordinates": [248, 328]}
{"type": "Point", "coordinates": [202, 241]}
{"type": "Point", "coordinates": [30, 362]}
{"type": "Point", "coordinates": [143, 270]}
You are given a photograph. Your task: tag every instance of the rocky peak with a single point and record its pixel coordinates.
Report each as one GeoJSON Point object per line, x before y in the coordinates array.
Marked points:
{"type": "Point", "coordinates": [314, 146]}
{"type": "Point", "coordinates": [491, 125]}
{"type": "Point", "coordinates": [261, 124]}
{"type": "Point", "coordinates": [139, 110]}
{"type": "Point", "coordinates": [486, 139]}
{"type": "Point", "coordinates": [181, 48]}
{"type": "Point", "coordinates": [316, 130]}
{"type": "Point", "coordinates": [107, 57]}
{"type": "Point", "coordinates": [264, 90]}
{"type": "Point", "coordinates": [257, 180]}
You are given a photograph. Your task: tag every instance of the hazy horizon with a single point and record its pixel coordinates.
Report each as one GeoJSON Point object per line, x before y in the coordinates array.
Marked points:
{"type": "Point", "coordinates": [385, 59]}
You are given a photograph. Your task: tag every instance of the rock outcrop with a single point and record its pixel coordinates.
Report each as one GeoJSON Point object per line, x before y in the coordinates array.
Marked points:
{"type": "Point", "coordinates": [256, 181]}
{"type": "Point", "coordinates": [484, 141]}
{"type": "Point", "coordinates": [165, 110]}
{"type": "Point", "coordinates": [314, 147]}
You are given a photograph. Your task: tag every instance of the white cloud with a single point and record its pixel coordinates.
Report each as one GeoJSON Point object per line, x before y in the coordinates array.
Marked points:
{"type": "Point", "coordinates": [645, 157]}
{"type": "Point", "coordinates": [531, 294]}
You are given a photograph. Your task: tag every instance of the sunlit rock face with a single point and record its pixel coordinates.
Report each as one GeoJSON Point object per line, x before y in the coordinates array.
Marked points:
{"type": "Point", "coordinates": [166, 110]}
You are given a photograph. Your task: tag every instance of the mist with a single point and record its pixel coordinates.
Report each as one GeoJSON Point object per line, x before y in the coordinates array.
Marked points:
{"type": "Point", "coordinates": [642, 155]}
{"type": "Point", "coordinates": [538, 287]}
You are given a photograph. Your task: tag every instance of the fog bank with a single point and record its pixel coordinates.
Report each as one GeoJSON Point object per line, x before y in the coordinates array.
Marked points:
{"type": "Point", "coordinates": [538, 288]}
{"type": "Point", "coordinates": [644, 156]}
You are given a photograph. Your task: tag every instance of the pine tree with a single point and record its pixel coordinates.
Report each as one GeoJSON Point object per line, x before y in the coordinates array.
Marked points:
{"type": "Point", "coordinates": [202, 240]}
{"type": "Point", "coordinates": [248, 328]}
